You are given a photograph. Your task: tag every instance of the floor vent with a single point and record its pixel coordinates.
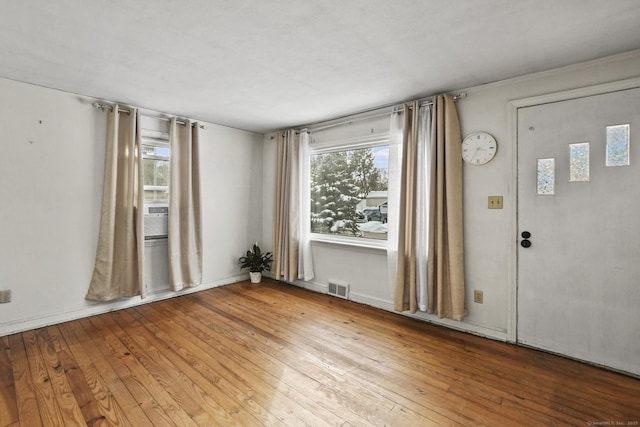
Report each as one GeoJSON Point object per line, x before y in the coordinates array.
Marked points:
{"type": "Point", "coordinates": [339, 290]}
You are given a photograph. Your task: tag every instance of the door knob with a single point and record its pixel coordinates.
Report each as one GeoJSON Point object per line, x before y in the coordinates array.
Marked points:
{"type": "Point", "coordinates": [525, 243]}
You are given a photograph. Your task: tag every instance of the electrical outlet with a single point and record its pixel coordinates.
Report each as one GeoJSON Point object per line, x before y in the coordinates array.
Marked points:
{"type": "Point", "coordinates": [5, 296]}
{"type": "Point", "coordinates": [478, 296]}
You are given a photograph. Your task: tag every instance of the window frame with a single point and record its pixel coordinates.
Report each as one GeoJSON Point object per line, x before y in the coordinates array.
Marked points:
{"type": "Point", "coordinates": [338, 145]}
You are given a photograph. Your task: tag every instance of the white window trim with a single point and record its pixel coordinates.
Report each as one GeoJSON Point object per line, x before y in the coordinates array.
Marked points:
{"type": "Point", "coordinates": [359, 242]}
{"type": "Point", "coordinates": [155, 188]}
{"type": "Point", "coordinates": [366, 141]}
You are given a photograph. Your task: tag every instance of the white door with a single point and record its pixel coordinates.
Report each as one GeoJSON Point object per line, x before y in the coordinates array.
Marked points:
{"type": "Point", "coordinates": [579, 280]}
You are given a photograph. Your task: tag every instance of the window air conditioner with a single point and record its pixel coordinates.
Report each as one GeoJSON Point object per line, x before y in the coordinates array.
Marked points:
{"type": "Point", "coordinates": [156, 218]}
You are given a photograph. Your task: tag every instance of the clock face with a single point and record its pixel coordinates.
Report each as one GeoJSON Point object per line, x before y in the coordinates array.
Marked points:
{"type": "Point", "coordinates": [479, 148]}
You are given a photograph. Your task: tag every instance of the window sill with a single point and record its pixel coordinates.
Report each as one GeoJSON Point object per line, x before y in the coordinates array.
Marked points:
{"type": "Point", "coordinates": [351, 242]}
{"type": "Point", "coordinates": [156, 242]}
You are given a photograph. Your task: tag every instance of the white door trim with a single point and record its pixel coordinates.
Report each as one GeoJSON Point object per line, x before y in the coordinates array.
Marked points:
{"type": "Point", "coordinates": [512, 117]}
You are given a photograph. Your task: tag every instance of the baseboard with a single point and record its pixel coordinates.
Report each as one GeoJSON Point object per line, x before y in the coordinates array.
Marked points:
{"type": "Point", "coordinates": [95, 308]}
{"type": "Point", "coordinates": [372, 301]}
{"type": "Point", "coordinates": [312, 286]}
{"type": "Point", "coordinates": [464, 326]}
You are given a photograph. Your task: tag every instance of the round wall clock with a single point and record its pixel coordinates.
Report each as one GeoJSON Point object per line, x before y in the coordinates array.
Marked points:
{"type": "Point", "coordinates": [478, 148]}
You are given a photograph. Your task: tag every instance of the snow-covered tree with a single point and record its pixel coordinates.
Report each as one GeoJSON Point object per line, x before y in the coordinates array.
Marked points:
{"type": "Point", "coordinates": [365, 174]}
{"type": "Point", "coordinates": [334, 195]}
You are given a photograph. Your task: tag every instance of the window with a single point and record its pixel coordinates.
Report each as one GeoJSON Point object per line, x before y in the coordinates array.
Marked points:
{"type": "Point", "coordinates": [155, 161]}
{"type": "Point", "coordinates": [155, 165]}
{"type": "Point", "coordinates": [618, 145]}
{"type": "Point", "coordinates": [579, 162]}
{"type": "Point", "coordinates": [546, 177]}
{"type": "Point", "coordinates": [348, 190]}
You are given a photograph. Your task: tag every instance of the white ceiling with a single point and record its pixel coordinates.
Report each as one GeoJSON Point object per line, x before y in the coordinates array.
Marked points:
{"type": "Point", "coordinates": [264, 65]}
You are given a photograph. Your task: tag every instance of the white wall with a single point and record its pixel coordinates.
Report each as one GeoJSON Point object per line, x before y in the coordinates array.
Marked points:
{"type": "Point", "coordinates": [490, 235]}
{"type": "Point", "coordinates": [51, 169]}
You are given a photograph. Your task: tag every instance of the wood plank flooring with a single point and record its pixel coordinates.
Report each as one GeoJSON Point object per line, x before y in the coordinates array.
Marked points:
{"type": "Point", "coordinates": [276, 355]}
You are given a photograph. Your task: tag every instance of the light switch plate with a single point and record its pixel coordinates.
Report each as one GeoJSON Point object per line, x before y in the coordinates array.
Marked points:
{"type": "Point", "coordinates": [495, 202]}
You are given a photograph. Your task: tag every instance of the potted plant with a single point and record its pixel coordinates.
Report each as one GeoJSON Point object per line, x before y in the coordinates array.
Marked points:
{"type": "Point", "coordinates": [256, 262]}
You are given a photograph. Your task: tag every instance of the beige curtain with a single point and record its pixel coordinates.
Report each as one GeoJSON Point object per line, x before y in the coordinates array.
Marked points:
{"type": "Point", "coordinates": [118, 270]}
{"type": "Point", "coordinates": [405, 295]}
{"type": "Point", "coordinates": [286, 213]}
{"type": "Point", "coordinates": [446, 253]}
{"type": "Point", "coordinates": [185, 217]}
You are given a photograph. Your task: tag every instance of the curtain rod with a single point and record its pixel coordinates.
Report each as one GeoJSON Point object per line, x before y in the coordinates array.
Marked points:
{"type": "Point", "coordinates": [422, 102]}
{"type": "Point", "coordinates": [103, 107]}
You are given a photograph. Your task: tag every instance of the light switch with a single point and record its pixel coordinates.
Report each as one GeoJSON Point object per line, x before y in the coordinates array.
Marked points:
{"type": "Point", "coordinates": [495, 202]}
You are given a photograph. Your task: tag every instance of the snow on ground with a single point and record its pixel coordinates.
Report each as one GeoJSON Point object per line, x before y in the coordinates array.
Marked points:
{"type": "Point", "coordinates": [373, 227]}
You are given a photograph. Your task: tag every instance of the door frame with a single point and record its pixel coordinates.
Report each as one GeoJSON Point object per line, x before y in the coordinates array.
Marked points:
{"type": "Point", "coordinates": [512, 117]}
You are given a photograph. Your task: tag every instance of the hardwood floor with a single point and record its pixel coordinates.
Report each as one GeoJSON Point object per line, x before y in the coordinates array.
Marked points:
{"type": "Point", "coordinates": [277, 355]}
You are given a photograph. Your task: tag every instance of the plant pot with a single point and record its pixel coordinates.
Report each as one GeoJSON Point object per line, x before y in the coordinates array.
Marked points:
{"type": "Point", "coordinates": [255, 276]}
